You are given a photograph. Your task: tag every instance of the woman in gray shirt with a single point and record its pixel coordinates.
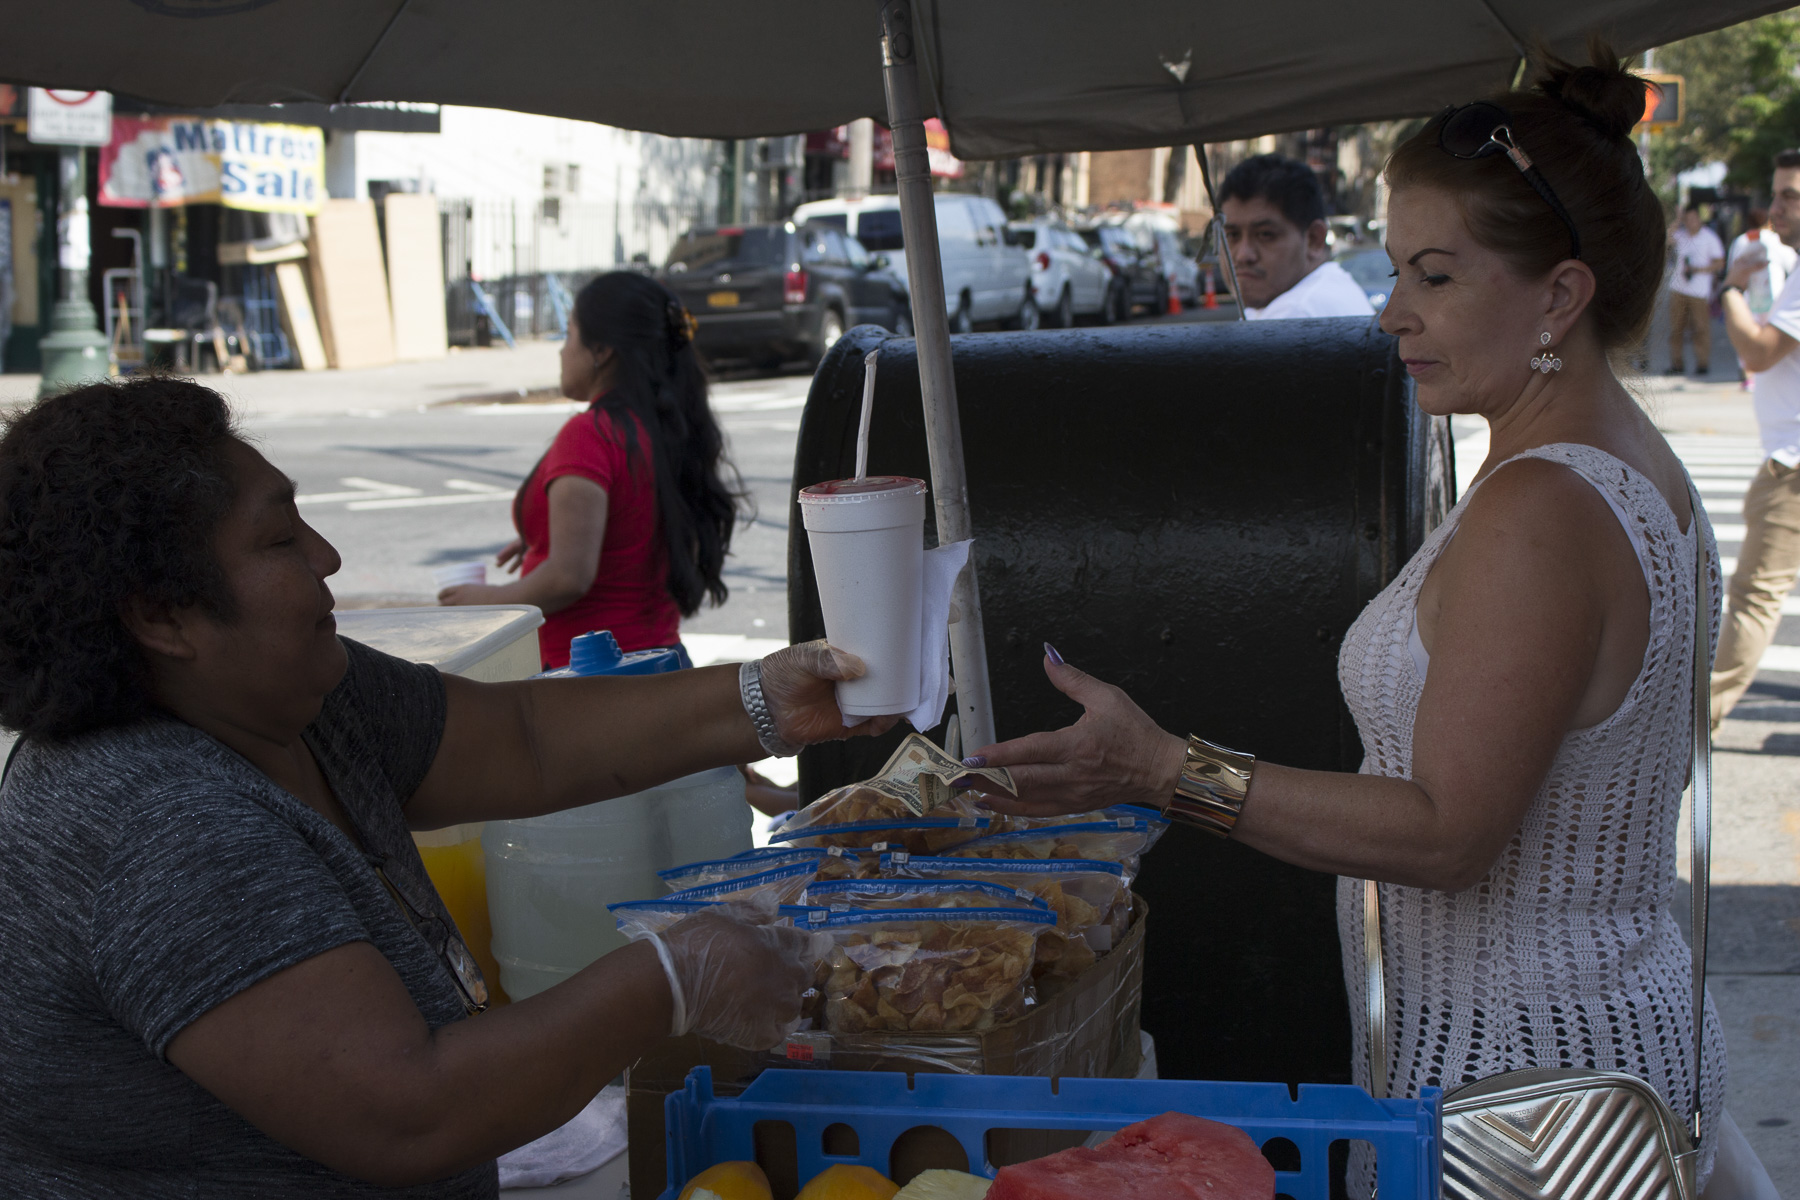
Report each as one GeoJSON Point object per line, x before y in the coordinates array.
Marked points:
{"type": "Point", "coordinates": [225, 970]}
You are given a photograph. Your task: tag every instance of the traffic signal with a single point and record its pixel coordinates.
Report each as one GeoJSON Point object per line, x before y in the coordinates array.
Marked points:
{"type": "Point", "coordinates": [1665, 103]}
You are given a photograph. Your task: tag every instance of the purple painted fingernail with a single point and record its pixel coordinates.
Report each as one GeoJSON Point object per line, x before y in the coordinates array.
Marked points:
{"type": "Point", "coordinates": [1052, 655]}
{"type": "Point", "coordinates": [975, 760]}
{"type": "Point", "coordinates": [965, 782]}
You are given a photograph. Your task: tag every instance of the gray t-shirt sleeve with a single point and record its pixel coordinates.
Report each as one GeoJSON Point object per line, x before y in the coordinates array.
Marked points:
{"type": "Point", "coordinates": [204, 894]}
{"type": "Point", "coordinates": [402, 705]}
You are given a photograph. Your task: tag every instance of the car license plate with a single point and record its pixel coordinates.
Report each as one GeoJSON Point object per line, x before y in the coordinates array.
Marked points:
{"type": "Point", "coordinates": [722, 300]}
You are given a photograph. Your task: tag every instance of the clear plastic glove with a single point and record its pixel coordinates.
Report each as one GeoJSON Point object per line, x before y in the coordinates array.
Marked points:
{"type": "Point", "coordinates": [737, 979]}
{"type": "Point", "coordinates": [799, 685]}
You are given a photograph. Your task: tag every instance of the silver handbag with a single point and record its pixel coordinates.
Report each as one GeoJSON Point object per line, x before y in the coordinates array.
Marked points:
{"type": "Point", "coordinates": [1562, 1134]}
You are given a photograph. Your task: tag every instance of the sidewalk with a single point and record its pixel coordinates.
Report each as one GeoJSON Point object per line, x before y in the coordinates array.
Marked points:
{"type": "Point", "coordinates": [400, 387]}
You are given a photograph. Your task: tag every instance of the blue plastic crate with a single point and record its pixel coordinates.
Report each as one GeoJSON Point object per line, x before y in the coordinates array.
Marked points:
{"type": "Point", "coordinates": [704, 1129]}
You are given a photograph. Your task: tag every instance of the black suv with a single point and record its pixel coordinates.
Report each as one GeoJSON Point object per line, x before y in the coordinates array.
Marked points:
{"type": "Point", "coordinates": [770, 293]}
{"type": "Point", "coordinates": [1137, 274]}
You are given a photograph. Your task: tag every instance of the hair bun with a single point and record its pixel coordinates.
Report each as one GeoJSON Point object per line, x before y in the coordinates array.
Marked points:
{"type": "Point", "coordinates": [1603, 92]}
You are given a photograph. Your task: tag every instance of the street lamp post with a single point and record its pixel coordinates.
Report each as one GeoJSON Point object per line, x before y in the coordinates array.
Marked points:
{"type": "Point", "coordinates": [74, 351]}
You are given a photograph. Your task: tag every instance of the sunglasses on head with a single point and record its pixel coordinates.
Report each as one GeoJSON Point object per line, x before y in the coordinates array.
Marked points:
{"type": "Point", "coordinates": [1481, 129]}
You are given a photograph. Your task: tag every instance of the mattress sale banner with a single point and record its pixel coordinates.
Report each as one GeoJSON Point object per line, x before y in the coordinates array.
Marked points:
{"type": "Point", "coordinates": [164, 162]}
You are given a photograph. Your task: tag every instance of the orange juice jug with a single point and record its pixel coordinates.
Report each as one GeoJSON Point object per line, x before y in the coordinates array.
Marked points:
{"type": "Point", "coordinates": [454, 860]}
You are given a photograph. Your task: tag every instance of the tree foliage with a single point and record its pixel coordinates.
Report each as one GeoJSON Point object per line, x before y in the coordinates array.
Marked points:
{"type": "Point", "coordinates": [1743, 101]}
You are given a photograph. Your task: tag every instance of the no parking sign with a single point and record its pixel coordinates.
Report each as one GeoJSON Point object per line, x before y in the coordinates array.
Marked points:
{"type": "Point", "coordinates": [62, 117]}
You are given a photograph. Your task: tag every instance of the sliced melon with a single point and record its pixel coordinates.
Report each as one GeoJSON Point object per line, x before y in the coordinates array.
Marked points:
{"type": "Point", "coordinates": [945, 1185]}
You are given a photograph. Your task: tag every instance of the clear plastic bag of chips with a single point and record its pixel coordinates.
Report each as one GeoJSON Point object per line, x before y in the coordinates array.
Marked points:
{"type": "Point", "coordinates": [915, 783]}
{"type": "Point", "coordinates": [921, 835]}
{"type": "Point", "coordinates": [786, 883]}
{"type": "Point", "coordinates": [1091, 899]}
{"type": "Point", "coordinates": [832, 863]}
{"type": "Point", "coordinates": [1014, 824]}
{"type": "Point", "coordinates": [636, 918]}
{"type": "Point", "coordinates": [860, 804]}
{"type": "Point", "coordinates": [927, 970]}
{"type": "Point", "coordinates": [1123, 839]}
{"type": "Point", "coordinates": [842, 895]}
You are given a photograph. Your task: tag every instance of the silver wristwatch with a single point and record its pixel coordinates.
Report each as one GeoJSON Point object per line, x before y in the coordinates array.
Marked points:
{"type": "Point", "coordinates": [750, 688]}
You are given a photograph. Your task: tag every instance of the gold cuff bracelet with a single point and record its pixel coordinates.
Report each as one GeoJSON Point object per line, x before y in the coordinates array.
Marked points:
{"type": "Point", "coordinates": [1214, 781]}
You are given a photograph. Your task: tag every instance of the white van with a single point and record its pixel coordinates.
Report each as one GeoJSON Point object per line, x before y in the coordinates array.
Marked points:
{"type": "Point", "coordinates": [984, 278]}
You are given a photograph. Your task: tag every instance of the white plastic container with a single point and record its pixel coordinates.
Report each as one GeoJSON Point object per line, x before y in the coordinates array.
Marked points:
{"type": "Point", "coordinates": [550, 878]}
{"type": "Point", "coordinates": [491, 643]}
{"type": "Point", "coordinates": [868, 550]}
{"type": "Point", "coordinates": [706, 818]}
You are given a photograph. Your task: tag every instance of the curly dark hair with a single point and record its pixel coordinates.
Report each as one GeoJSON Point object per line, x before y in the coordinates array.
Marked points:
{"type": "Point", "coordinates": [108, 492]}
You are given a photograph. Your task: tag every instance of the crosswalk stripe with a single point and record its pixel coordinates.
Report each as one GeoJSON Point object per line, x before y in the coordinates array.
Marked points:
{"type": "Point", "coordinates": [1780, 658]}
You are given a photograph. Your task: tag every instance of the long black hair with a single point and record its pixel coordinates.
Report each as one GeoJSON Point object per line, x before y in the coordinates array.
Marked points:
{"type": "Point", "coordinates": [658, 378]}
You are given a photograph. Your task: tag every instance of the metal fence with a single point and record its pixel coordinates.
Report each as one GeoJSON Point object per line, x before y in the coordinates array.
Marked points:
{"type": "Point", "coordinates": [512, 249]}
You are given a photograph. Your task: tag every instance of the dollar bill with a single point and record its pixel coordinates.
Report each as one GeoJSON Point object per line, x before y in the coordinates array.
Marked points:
{"type": "Point", "coordinates": [919, 774]}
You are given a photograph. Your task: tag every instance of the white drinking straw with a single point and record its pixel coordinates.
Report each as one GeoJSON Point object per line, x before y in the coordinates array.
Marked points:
{"type": "Point", "coordinates": [862, 430]}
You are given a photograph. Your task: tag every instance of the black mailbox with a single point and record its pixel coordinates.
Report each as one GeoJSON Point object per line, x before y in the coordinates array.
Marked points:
{"type": "Point", "coordinates": [1196, 513]}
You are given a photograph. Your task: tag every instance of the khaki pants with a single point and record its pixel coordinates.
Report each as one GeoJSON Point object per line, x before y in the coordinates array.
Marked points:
{"type": "Point", "coordinates": [1690, 312]}
{"type": "Point", "coordinates": [1767, 563]}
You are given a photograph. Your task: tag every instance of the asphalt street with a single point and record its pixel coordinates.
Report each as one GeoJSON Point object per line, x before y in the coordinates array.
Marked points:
{"type": "Point", "coordinates": [402, 492]}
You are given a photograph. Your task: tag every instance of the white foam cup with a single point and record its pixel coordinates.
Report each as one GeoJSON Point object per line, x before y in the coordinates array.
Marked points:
{"type": "Point", "coordinates": [868, 550]}
{"type": "Point", "coordinates": [457, 574]}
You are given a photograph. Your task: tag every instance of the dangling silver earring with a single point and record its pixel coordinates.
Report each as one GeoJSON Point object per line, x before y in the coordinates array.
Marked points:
{"type": "Point", "coordinates": [1546, 362]}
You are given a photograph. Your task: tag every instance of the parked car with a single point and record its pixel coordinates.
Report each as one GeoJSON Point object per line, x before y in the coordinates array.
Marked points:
{"type": "Point", "coordinates": [770, 293]}
{"type": "Point", "coordinates": [1172, 250]}
{"type": "Point", "coordinates": [1158, 230]}
{"type": "Point", "coordinates": [1372, 270]}
{"type": "Point", "coordinates": [1137, 276]}
{"type": "Point", "coordinates": [985, 279]}
{"type": "Point", "coordinates": [1067, 279]}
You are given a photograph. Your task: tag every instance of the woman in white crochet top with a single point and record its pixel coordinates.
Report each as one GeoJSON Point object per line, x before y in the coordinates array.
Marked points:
{"type": "Point", "coordinates": [1523, 688]}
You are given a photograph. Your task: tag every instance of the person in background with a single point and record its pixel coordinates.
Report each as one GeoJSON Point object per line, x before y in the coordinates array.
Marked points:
{"type": "Point", "coordinates": [1274, 213]}
{"type": "Point", "coordinates": [1699, 256]}
{"type": "Point", "coordinates": [1770, 556]}
{"type": "Point", "coordinates": [625, 522]}
{"type": "Point", "coordinates": [1764, 246]}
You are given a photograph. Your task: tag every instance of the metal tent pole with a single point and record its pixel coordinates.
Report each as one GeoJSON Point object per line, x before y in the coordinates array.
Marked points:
{"type": "Point", "coordinates": [931, 331]}
{"type": "Point", "coordinates": [1221, 246]}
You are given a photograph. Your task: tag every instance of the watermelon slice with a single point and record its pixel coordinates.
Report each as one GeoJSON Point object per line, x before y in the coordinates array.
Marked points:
{"type": "Point", "coordinates": [1171, 1157]}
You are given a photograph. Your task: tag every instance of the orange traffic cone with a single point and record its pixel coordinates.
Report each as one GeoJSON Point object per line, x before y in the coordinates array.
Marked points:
{"type": "Point", "coordinates": [1212, 290]}
{"type": "Point", "coordinates": [1174, 296]}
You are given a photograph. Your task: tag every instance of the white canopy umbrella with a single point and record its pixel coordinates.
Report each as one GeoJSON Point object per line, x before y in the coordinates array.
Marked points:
{"type": "Point", "coordinates": [1007, 77]}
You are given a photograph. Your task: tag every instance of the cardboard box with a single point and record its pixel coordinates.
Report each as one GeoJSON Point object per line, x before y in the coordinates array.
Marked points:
{"type": "Point", "coordinates": [349, 285]}
{"type": "Point", "coordinates": [415, 269]}
{"type": "Point", "coordinates": [1085, 1027]}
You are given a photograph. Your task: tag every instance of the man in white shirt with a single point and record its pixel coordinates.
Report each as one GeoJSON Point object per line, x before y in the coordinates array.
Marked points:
{"type": "Point", "coordinates": [1769, 558]}
{"type": "Point", "coordinates": [1763, 245]}
{"type": "Point", "coordinates": [1274, 212]}
{"type": "Point", "coordinates": [1699, 257]}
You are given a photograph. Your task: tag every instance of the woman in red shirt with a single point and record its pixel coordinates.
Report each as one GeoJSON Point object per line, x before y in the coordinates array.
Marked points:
{"type": "Point", "coordinates": [625, 522]}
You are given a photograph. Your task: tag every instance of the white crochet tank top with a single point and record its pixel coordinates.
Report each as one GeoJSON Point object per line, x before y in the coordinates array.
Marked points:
{"type": "Point", "coordinates": [1566, 954]}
